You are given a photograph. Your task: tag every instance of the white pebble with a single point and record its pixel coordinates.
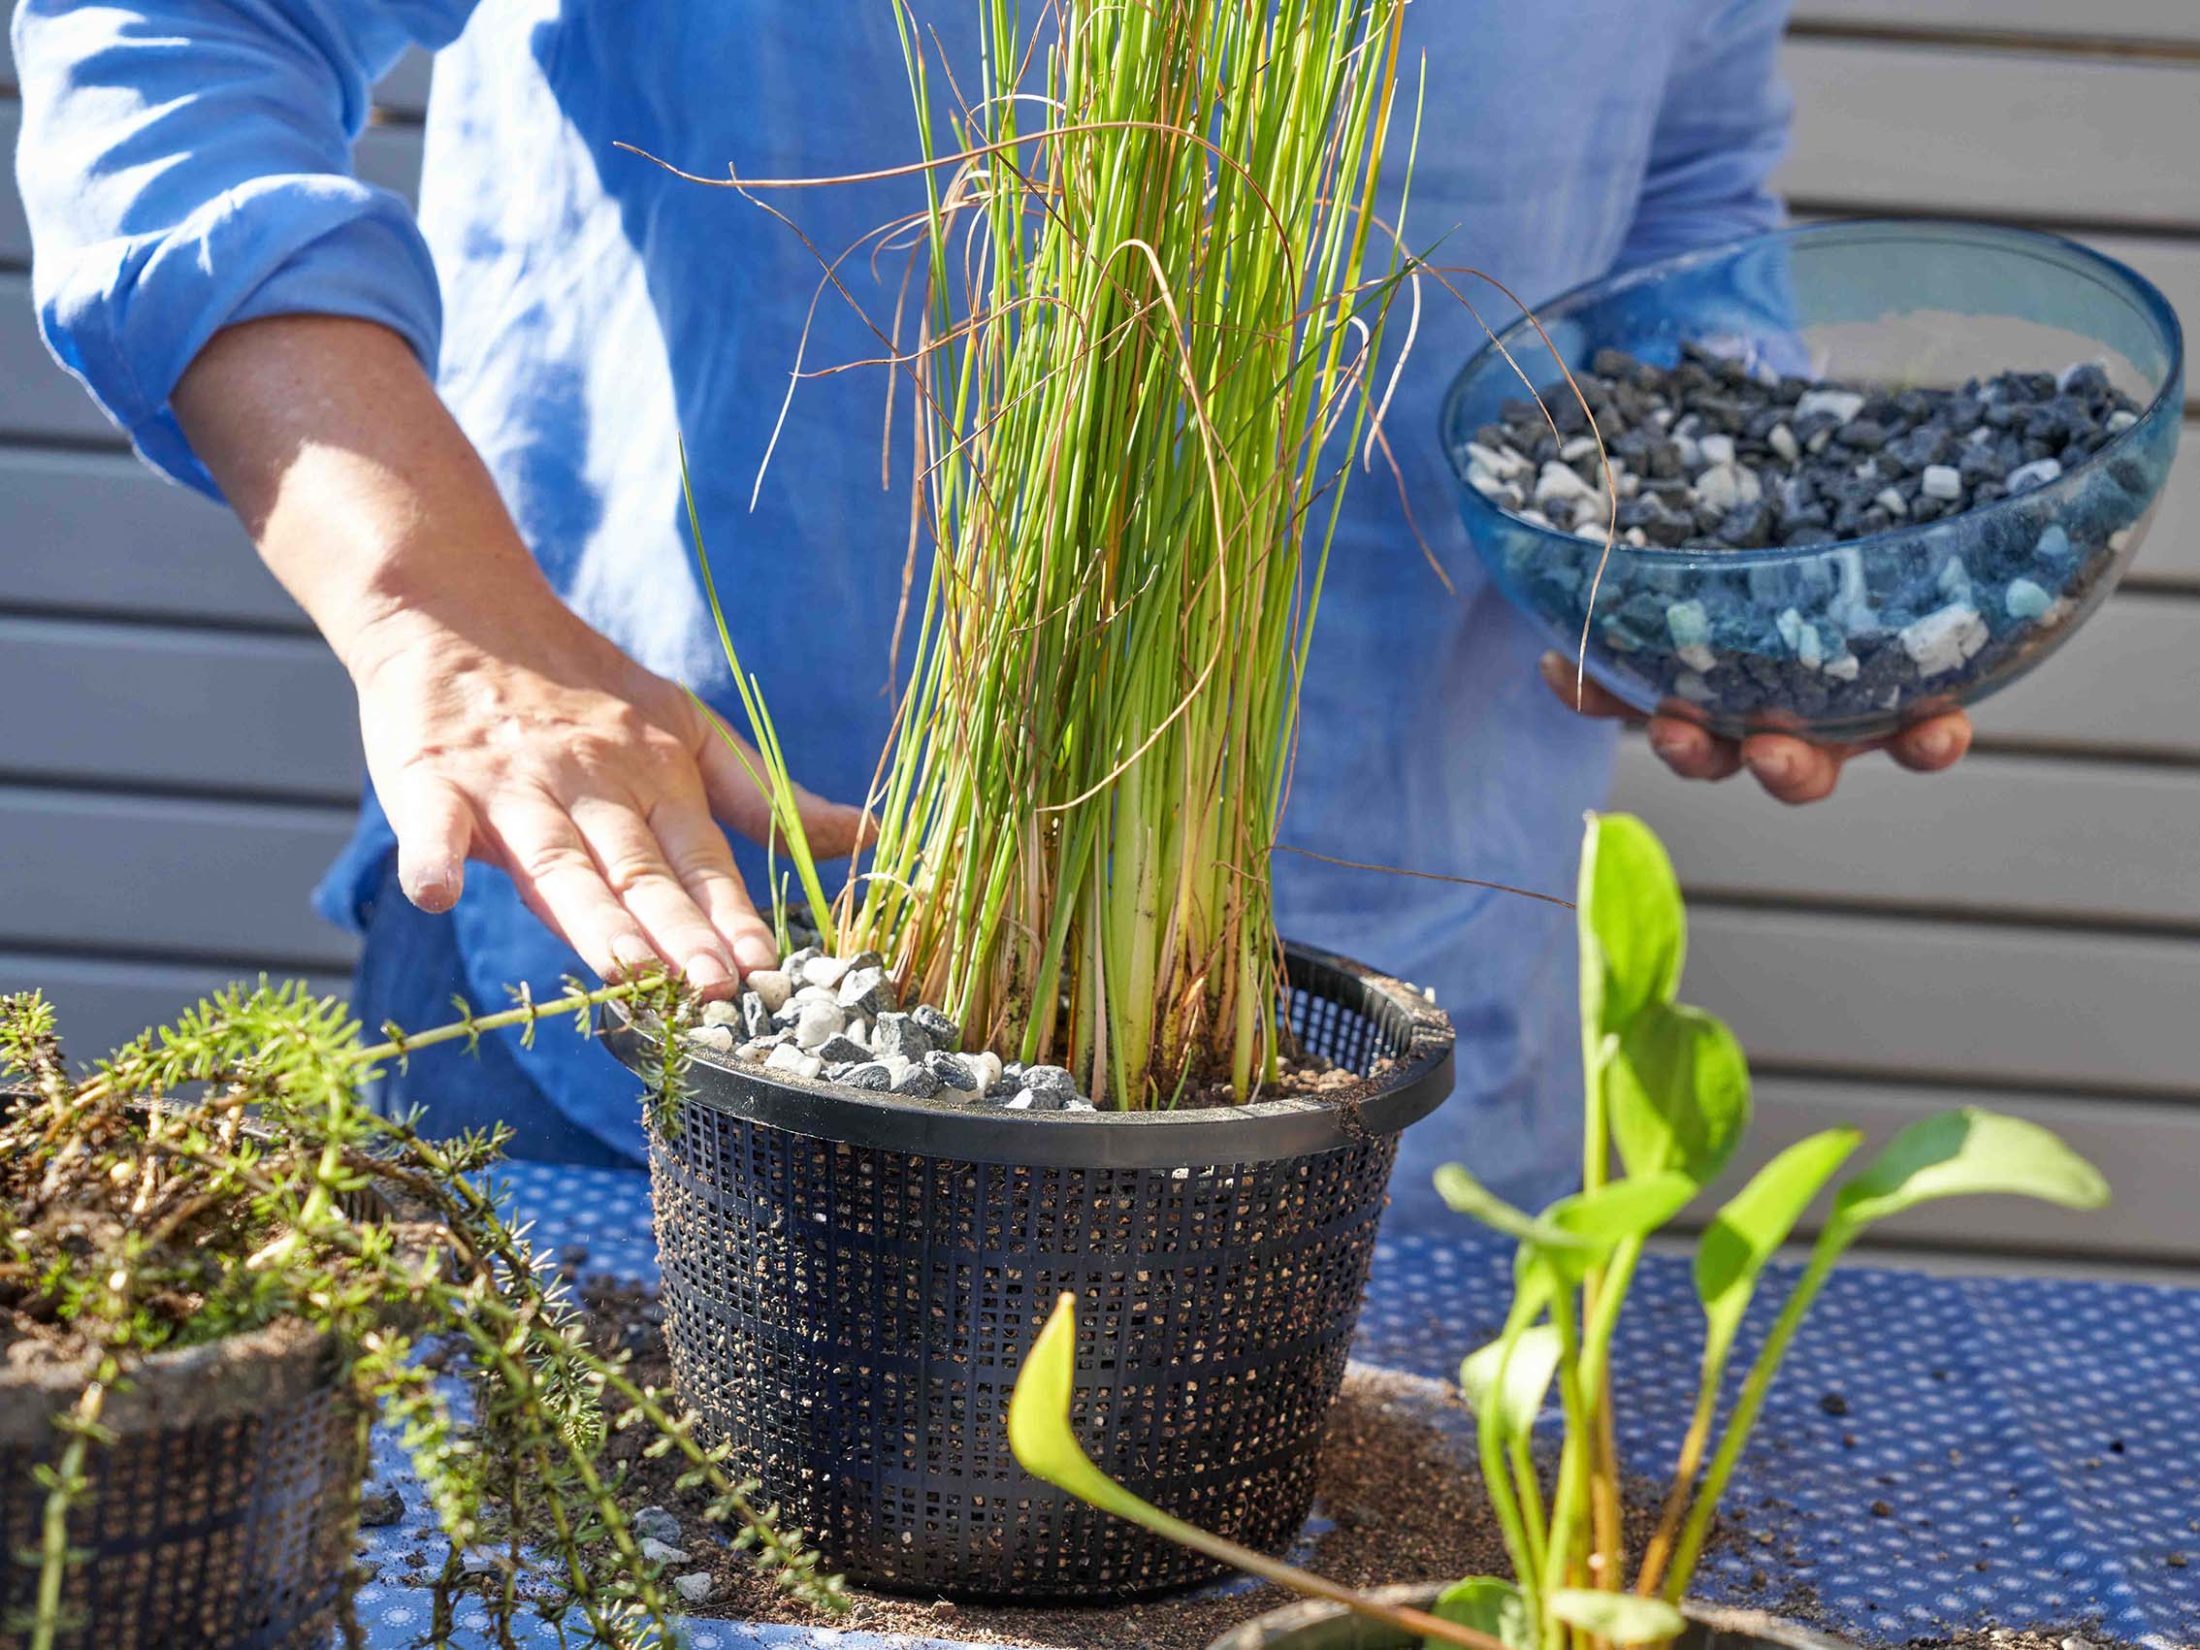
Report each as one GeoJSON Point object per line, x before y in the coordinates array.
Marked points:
{"type": "Point", "coordinates": [1782, 441]}
{"type": "Point", "coordinates": [1942, 481]}
{"type": "Point", "coordinates": [1955, 578]}
{"type": "Point", "coordinates": [1716, 449]}
{"type": "Point", "coordinates": [662, 1552]}
{"type": "Point", "coordinates": [1580, 447]}
{"type": "Point", "coordinates": [1691, 455]}
{"type": "Point", "coordinates": [1536, 516]}
{"type": "Point", "coordinates": [985, 1066]}
{"type": "Point", "coordinates": [1809, 652]}
{"type": "Point", "coordinates": [1690, 685]}
{"type": "Point", "coordinates": [1499, 461]}
{"type": "Point", "coordinates": [1718, 488]}
{"type": "Point", "coordinates": [1944, 639]}
{"type": "Point", "coordinates": [717, 1038]}
{"type": "Point", "coordinates": [721, 1014]}
{"type": "Point", "coordinates": [1697, 657]}
{"type": "Point", "coordinates": [1891, 501]}
{"type": "Point", "coordinates": [2121, 420]}
{"type": "Point", "coordinates": [786, 1057]}
{"type": "Point", "coordinates": [824, 972]}
{"type": "Point", "coordinates": [1557, 481]}
{"type": "Point", "coordinates": [2027, 600]}
{"type": "Point", "coordinates": [1594, 531]}
{"type": "Point", "coordinates": [2036, 474]}
{"type": "Point", "coordinates": [2054, 544]}
{"type": "Point", "coordinates": [1790, 626]}
{"type": "Point", "coordinates": [1843, 404]}
{"type": "Point", "coordinates": [1688, 623]}
{"type": "Point", "coordinates": [818, 1024]}
{"type": "Point", "coordinates": [1845, 668]}
{"type": "Point", "coordinates": [771, 985]}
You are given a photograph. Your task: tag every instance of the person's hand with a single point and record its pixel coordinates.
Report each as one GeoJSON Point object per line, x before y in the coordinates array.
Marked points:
{"type": "Point", "coordinates": [498, 726]}
{"type": "Point", "coordinates": [1793, 770]}
{"type": "Point", "coordinates": [520, 737]}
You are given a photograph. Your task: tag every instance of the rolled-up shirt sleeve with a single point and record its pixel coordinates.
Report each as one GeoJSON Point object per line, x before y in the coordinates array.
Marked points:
{"type": "Point", "coordinates": [1721, 131]}
{"type": "Point", "coordinates": [186, 165]}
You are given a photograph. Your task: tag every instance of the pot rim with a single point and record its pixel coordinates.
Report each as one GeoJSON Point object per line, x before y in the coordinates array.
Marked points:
{"type": "Point", "coordinates": [1265, 1131]}
{"type": "Point", "coordinates": [1262, 1632]}
{"type": "Point", "coordinates": [239, 1374]}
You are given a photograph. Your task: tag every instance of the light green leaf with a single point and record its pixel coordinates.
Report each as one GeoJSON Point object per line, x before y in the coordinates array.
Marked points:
{"type": "Point", "coordinates": [1634, 933]}
{"type": "Point", "coordinates": [1595, 1223]}
{"type": "Point", "coordinates": [1038, 1409]}
{"type": "Point", "coordinates": [1963, 1153]}
{"type": "Point", "coordinates": [1622, 1618]}
{"type": "Point", "coordinates": [1488, 1606]}
{"type": "Point", "coordinates": [1679, 1088]}
{"type": "Point", "coordinates": [1621, 1209]}
{"type": "Point", "coordinates": [1468, 1196]}
{"type": "Point", "coordinates": [1754, 1223]}
{"type": "Point", "coordinates": [1526, 1378]}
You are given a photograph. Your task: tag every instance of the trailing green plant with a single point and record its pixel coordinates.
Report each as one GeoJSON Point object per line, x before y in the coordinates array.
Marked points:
{"type": "Point", "coordinates": [1146, 320]}
{"type": "Point", "coordinates": [1666, 1106]}
{"type": "Point", "coordinates": [225, 1174]}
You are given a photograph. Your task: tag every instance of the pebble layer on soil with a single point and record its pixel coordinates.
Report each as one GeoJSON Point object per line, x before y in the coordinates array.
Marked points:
{"type": "Point", "coordinates": [1711, 456]}
{"type": "Point", "coordinates": [839, 1019]}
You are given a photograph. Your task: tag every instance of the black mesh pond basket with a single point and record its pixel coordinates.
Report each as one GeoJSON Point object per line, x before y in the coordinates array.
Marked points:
{"type": "Point", "coordinates": [220, 1515]}
{"type": "Point", "coordinates": [851, 1280]}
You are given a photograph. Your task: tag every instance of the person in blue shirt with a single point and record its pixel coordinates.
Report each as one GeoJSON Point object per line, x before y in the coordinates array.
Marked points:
{"type": "Point", "coordinates": [452, 435]}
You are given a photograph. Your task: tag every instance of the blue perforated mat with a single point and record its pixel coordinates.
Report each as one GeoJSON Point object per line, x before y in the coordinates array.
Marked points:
{"type": "Point", "coordinates": [1938, 1454]}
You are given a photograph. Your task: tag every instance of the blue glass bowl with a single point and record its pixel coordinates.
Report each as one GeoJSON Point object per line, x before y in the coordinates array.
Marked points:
{"type": "Point", "coordinates": [1845, 641]}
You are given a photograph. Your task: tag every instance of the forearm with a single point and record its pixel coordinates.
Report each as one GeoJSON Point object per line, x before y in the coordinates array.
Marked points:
{"type": "Point", "coordinates": [364, 496]}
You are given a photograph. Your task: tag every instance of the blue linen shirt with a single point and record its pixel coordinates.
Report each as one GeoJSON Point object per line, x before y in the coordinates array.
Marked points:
{"type": "Point", "coordinates": [186, 166]}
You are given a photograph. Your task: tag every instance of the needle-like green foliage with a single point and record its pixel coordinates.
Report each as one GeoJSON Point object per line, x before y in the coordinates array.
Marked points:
{"type": "Point", "coordinates": [1667, 1107]}
{"type": "Point", "coordinates": [224, 1174]}
{"type": "Point", "coordinates": [1149, 288]}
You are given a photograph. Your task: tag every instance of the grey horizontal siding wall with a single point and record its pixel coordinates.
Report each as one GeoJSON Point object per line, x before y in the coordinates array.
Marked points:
{"type": "Point", "coordinates": [2024, 933]}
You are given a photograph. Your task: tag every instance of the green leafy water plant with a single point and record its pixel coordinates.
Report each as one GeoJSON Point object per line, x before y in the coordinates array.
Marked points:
{"type": "Point", "coordinates": [207, 1180]}
{"type": "Point", "coordinates": [1147, 295]}
{"type": "Point", "coordinates": [1667, 1105]}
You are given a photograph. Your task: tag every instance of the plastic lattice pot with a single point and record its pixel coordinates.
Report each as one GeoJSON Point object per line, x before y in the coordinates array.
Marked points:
{"type": "Point", "coordinates": [851, 1281]}
{"type": "Point", "coordinates": [220, 1511]}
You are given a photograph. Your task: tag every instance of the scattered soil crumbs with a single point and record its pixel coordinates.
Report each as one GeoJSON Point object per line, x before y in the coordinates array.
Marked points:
{"type": "Point", "coordinates": [1399, 1499]}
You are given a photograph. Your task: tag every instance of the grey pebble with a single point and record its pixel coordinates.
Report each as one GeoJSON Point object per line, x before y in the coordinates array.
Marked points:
{"type": "Point", "coordinates": [656, 1524]}
{"type": "Point", "coordinates": [840, 1049]}
{"type": "Point", "coordinates": [951, 1070]}
{"type": "Point", "coordinates": [899, 1034]}
{"type": "Point", "coordinates": [869, 1075]}
{"type": "Point", "coordinates": [943, 1032]}
{"type": "Point", "coordinates": [380, 1505]}
{"type": "Point", "coordinates": [917, 1082]}
{"type": "Point", "coordinates": [695, 1587]}
{"type": "Point", "coordinates": [663, 1552]}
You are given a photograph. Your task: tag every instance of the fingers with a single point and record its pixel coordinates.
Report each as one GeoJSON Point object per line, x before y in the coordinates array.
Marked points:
{"type": "Point", "coordinates": [1693, 752]}
{"type": "Point", "coordinates": [696, 851]}
{"type": "Point", "coordinates": [733, 781]}
{"type": "Point", "coordinates": [637, 873]}
{"type": "Point", "coordinates": [1934, 744]}
{"type": "Point", "coordinates": [1561, 677]}
{"type": "Point", "coordinates": [435, 830]}
{"type": "Point", "coordinates": [562, 884]}
{"type": "Point", "coordinates": [1793, 770]}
